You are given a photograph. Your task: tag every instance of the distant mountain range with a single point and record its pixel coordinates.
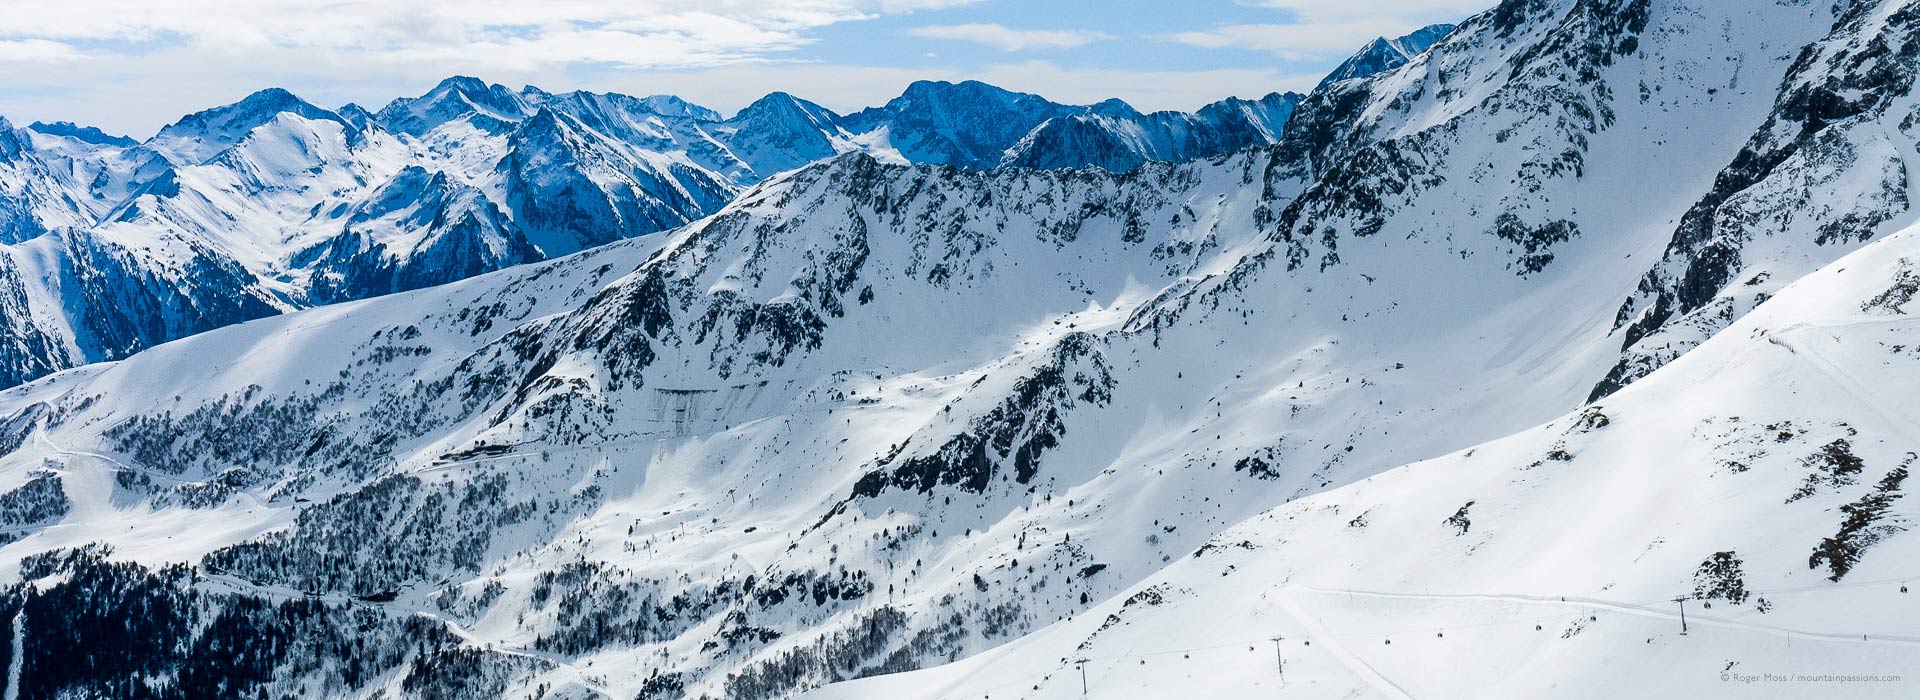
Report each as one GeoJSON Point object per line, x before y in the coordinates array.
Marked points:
{"type": "Point", "coordinates": [272, 203]}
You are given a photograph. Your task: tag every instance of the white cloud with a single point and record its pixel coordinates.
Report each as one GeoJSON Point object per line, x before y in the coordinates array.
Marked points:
{"type": "Point", "coordinates": [1412, 12]}
{"type": "Point", "coordinates": [143, 63]}
{"type": "Point", "coordinates": [1323, 28]}
{"type": "Point", "coordinates": [635, 33]}
{"type": "Point", "coordinates": [1293, 41]}
{"type": "Point", "coordinates": [36, 51]}
{"type": "Point", "coordinates": [1008, 39]}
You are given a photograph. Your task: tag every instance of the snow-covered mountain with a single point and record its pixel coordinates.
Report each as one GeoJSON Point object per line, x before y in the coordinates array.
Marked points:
{"type": "Point", "coordinates": [876, 430]}
{"type": "Point", "coordinates": [272, 203]}
{"type": "Point", "coordinates": [974, 125]}
{"type": "Point", "coordinates": [1115, 137]}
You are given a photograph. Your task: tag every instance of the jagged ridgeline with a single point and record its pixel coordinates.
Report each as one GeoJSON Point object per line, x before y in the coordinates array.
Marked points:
{"type": "Point", "coordinates": [271, 204]}
{"type": "Point", "coordinates": [872, 418]}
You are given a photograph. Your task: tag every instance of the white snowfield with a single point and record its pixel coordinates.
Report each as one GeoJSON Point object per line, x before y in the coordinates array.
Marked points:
{"type": "Point", "coordinates": [1305, 420]}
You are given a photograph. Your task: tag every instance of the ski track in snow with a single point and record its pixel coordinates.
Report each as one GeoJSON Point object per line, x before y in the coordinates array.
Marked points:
{"type": "Point", "coordinates": [1360, 668]}
{"type": "Point", "coordinates": [1813, 356]}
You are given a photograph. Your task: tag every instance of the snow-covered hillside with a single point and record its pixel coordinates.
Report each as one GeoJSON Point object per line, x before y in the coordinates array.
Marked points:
{"type": "Point", "coordinates": [1762, 477]}
{"type": "Point", "coordinates": [971, 426]}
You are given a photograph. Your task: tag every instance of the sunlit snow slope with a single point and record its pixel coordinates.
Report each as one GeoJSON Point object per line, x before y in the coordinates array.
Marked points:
{"type": "Point", "coordinates": [1763, 477]}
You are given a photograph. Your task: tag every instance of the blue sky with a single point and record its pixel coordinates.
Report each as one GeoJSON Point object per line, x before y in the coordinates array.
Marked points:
{"type": "Point", "coordinates": [130, 66]}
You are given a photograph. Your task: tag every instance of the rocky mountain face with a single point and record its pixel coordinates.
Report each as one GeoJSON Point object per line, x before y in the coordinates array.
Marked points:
{"type": "Point", "coordinates": [1828, 171]}
{"type": "Point", "coordinates": [878, 430]}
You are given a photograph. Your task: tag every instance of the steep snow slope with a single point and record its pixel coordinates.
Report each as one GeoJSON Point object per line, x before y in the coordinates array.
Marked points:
{"type": "Point", "coordinates": [1763, 477]}
{"type": "Point", "coordinates": [872, 418]}
{"type": "Point", "coordinates": [102, 166]}
{"type": "Point", "coordinates": [34, 196]}
{"type": "Point", "coordinates": [781, 132]}
{"type": "Point", "coordinates": [201, 136]}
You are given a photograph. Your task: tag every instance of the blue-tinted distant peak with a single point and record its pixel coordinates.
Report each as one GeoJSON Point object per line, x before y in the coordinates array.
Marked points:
{"type": "Point", "coordinates": [1383, 54]}
{"type": "Point", "coordinates": [1113, 107]}
{"type": "Point", "coordinates": [465, 83]}
{"type": "Point", "coordinates": [781, 103]}
{"type": "Point", "coordinates": [673, 106]}
{"type": "Point", "coordinates": [87, 134]}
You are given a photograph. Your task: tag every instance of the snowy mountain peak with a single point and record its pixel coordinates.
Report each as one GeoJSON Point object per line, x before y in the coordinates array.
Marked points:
{"type": "Point", "coordinates": [86, 134]}
{"type": "Point", "coordinates": [781, 106]}
{"type": "Point", "coordinates": [1384, 54]}
{"type": "Point", "coordinates": [1114, 107]}
{"type": "Point", "coordinates": [780, 132]}
{"type": "Point", "coordinates": [968, 124]}
{"type": "Point", "coordinates": [11, 144]}
{"type": "Point", "coordinates": [1268, 114]}
{"type": "Point", "coordinates": [972, 99]}
{"type": "Point", "coordinates": [204, 134]}
{"type": "Point", "coordinates": [673, 106]}
{"type": "Point", "coordinates": [464, 84]}
{"type": "Point", "coordinates": [489, 107]}
{"type": "Point", "coordinates": [356, 115]}
{"type": "Point", "coordinates": [943, 91]}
